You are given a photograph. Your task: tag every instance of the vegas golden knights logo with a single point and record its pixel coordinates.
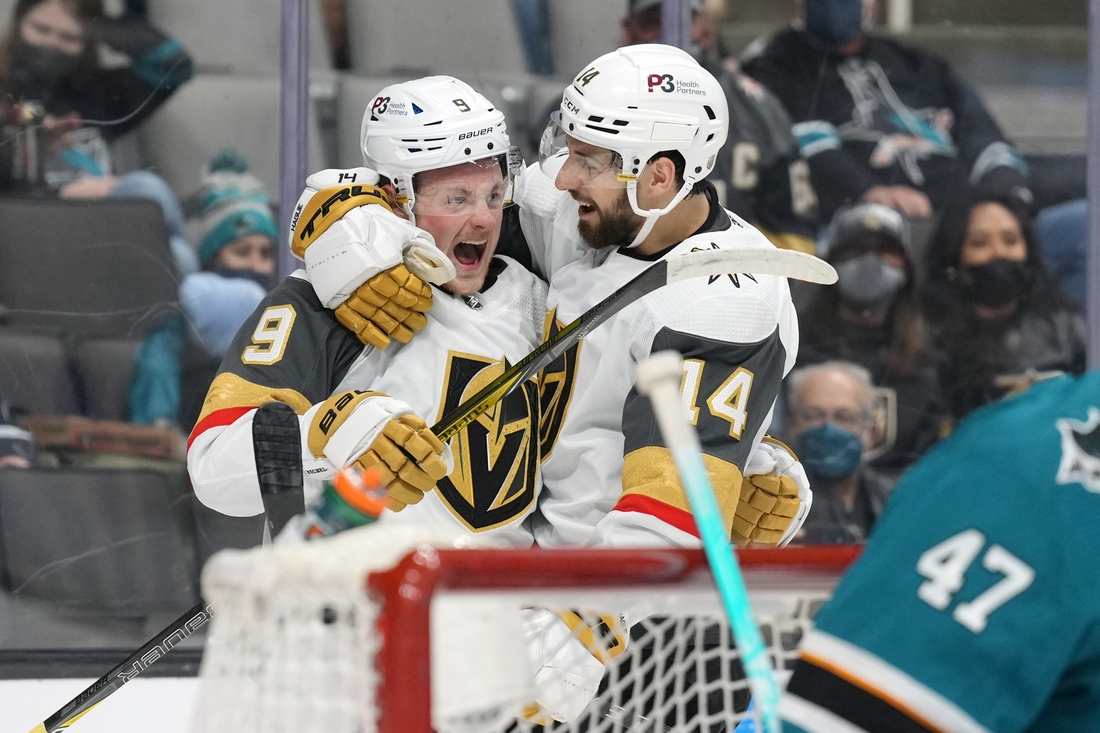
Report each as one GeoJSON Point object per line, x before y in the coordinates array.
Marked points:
{"type": "Point", "coordinates": [555, 387]}
{"type": "Point", "coordinates": [496, 456]}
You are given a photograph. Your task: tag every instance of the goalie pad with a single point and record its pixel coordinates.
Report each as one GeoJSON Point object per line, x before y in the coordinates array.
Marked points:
{"type": "Point", "coordinates": [775, 497]}
{"type": "Point", "coordinates": [375, 431]}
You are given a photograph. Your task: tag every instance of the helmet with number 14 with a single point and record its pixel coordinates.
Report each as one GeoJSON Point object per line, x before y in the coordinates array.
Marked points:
{"type": "Point", "coordinates": [624, 110]}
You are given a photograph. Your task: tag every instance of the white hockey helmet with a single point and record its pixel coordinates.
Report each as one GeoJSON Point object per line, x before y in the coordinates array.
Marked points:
{"type": "Point", "coordinates": [638, 101]}
{"type": "Point", "coordinates": [432, 123]}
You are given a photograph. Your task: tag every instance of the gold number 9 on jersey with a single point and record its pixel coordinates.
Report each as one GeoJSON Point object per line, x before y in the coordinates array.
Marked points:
{"type": "Point", "coordinates": [270, 337]}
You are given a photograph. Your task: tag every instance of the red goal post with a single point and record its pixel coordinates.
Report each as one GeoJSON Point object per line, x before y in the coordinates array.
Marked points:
{"type": "Point", "coordinates": [407, 590]}
{"type": "Point", "coordinates": [403, 628]}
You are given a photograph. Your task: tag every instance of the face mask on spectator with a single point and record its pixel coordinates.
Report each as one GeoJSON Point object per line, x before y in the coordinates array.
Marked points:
{"type": "Point", "coordinates": [997, 282]}
{"type": "Point", "coordinates": [44, 65]}
{"type": "Point", "coordinates": [830, 452]}
{"type": "Point", "coordinates": [834, 20]}
{"type": "Point", "coordinates": [267, 282]}
{"type": "Point", "coordinates": [868, 281]}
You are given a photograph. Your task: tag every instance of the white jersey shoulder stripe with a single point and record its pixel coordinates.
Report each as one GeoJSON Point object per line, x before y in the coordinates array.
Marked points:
{"type": "Point", "coordinates": [888, 682]}
{"type": "Point", "coordinates": [813, 718]}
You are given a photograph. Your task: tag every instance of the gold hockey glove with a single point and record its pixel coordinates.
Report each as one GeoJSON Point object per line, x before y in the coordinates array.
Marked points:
{"type": "Point", "coordinates": [767, 506]}
{"type": "Point", "coordinates": [371, 430]}
{"type": "Point", "coordinates": [391, 304]}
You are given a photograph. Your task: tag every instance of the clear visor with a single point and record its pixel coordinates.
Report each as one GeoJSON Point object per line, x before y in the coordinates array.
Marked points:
{"type": "Point", "coordinates": [576, 162]}
{"type": "Point", "coordinates": [468, 189]}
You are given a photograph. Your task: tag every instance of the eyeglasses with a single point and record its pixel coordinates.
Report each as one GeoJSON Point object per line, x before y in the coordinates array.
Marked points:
{"type": "Point", "coordinates": [853, 420]}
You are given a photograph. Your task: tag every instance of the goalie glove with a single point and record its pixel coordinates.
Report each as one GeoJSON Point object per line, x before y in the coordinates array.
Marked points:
{"type": "Point", "coordinates": [371, 430]}
{"type": "Point", "coordinates": [363, 260]}
{"type": "Point", "coordinates": [567, 652]}
{"type": "Point", "coordinates": [775, 497]}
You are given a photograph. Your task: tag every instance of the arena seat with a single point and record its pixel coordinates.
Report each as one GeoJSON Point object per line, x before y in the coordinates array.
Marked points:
{"type": "Point", "coordinates": [1040, 121]}
{"type": "Point", "coordinates": [382, 42]}
{"type": "Point", "coordinates": [581, 31]}
{"type": "Point", "coordinates": [106, 368]}
{"type": "Point", "coordinates": [212, 112]}
{"type": "Point", "coordinates": [121, 540]}
{"type": "Point", "coordinates": [34, 374]}
{"type": "Point", "coordinates": [87, 268]}
{"type": "Point", "coordinates": [241, 37]}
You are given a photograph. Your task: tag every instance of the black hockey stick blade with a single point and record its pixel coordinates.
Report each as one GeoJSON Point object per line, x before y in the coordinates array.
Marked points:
{"type": "Point", "coordinates": [703, 263]}
{"type": "Point", "coordinates": [125, 671]}
{"type": "Point", "coordinates": [277, 444]}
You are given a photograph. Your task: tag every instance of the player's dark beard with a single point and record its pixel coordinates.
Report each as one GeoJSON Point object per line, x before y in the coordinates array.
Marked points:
{"type": "Point", "coordinates": [617, 226]}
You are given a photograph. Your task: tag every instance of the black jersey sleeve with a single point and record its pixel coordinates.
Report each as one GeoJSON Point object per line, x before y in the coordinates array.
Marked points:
{"type": "Point", "coordinates": [291, 349]}
{"type": "Point", "coordinates": [729, 390]}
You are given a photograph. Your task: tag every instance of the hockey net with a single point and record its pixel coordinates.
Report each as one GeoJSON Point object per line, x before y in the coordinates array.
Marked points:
{"type": "Point", "coordinates": [393, 628]}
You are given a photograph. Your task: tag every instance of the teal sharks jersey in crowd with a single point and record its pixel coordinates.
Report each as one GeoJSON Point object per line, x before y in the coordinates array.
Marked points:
{"type": "Point", "coordinates": [976, 604]}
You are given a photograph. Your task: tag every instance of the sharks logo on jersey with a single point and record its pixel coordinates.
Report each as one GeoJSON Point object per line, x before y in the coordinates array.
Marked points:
{"type": "Point", "coordinates": [496, 456]}
{"type": "Point", "coordinates": [555, 387]}
{"type": "Point", "coordinates": [1081, 451]}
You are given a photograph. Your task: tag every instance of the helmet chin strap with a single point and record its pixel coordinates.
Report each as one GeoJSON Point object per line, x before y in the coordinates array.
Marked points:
{"type": "Point", "coordinates": [652, 215]}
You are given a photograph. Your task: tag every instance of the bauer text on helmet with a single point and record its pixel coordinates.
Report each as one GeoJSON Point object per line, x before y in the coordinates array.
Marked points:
{"type": "Point", "coordinates": [634, 103]}
{"type": "Point", "coordinates": [445, 150]}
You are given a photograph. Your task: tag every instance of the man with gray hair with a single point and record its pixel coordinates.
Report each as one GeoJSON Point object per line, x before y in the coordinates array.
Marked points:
{"type": "Point", "coordinates": [829, 427]}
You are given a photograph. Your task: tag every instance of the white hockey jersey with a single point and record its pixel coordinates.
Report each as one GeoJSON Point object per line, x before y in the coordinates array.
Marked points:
{"type": "Point", "coordinates": [608, 480]}
{"type": "Point", "coordinates": [468, 341]}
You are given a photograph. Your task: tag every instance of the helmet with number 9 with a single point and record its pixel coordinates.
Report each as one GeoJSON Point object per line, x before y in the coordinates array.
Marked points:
{"type": "Point", "coordinates": [432, 123]}
{"type": "Point", "coordinates": [639, 101]}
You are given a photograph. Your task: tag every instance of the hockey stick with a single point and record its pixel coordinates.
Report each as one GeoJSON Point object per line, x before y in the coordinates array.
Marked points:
{"type": "Point", "coordinates": [278, 450]}
{"type": "Point", "coordinates": [280, 494]}
{"type": "Point", "coordinates": [129, 668]}
{"type": "Point", "coordinates": [277, 443]}
{"type": "Point", "coordinates": [705, 263]}
{"type": "Point", "coordinates": [659, 378]}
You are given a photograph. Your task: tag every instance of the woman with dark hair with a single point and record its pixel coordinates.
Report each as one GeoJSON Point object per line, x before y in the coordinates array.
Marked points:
{"type": "Point", "coordinates": [872, 317]}
{"type": "Point", "coordinates": [50, 73]}
{"type": "Point", "coordinates": [61, 108]}
{"type": "Point", "coordinates": [999, 313]}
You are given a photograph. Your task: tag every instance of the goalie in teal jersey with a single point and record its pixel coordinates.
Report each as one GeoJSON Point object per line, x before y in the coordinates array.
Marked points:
{"type": "Point", "coordinates": [976, 604]}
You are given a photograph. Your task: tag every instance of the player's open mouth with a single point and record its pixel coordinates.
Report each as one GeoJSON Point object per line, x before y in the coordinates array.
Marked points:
{"type": "Point", "coordinates": [469, 254]}
{"type": "Point", "coordinates": [585, 209]}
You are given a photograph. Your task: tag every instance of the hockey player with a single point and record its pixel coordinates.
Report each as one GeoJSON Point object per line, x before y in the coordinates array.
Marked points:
{"type": "Point", "coordinates": [621, 185]}
{"type": "Point", "coordinates": [974, 606]}
{"type": "Point", "coordinates": [440, 150]}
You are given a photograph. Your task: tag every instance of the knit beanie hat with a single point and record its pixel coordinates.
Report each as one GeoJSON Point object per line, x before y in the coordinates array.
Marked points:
{"type": "Point", "coordinates": [233, 204]}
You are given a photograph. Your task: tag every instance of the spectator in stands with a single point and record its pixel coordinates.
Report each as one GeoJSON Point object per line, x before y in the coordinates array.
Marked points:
{"type": "Point", "coordinates": [879, 121]}
{"type": "Point", "coordinates": [998, 311]}
{"type": "Point", "coordinates": [759, 173]}
{"type": "Point", "coordinates": [62, 109]}
{"type": "Point", "coordinates": [873, 317]}
{"type": "Point", "coordinates": [17, 449]}
{"type": "Point", "coordinates": [830, 428]}
{"type": "Point", "coordinates": [237, 253]}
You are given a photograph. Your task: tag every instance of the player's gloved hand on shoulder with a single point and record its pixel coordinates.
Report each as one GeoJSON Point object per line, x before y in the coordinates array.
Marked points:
{"type": "Point", "coordinates": [363, 260]}
{"type": "Point", "coordinates": [372, 430]}
{"type": "Point", "coordinates": [568, 652]}
{"type": "Point", "coordinates": [775, 497]}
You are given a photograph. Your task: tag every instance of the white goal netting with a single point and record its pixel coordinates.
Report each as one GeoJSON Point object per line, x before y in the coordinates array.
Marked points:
{"type": "Point", "coordinates": [298, 643]}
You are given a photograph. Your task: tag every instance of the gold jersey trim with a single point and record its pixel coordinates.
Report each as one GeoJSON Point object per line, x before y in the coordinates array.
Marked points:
{"type": "Point", "coordinates": [229, 391]}
{"type": "Point", "coordinates": [651, 472]}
